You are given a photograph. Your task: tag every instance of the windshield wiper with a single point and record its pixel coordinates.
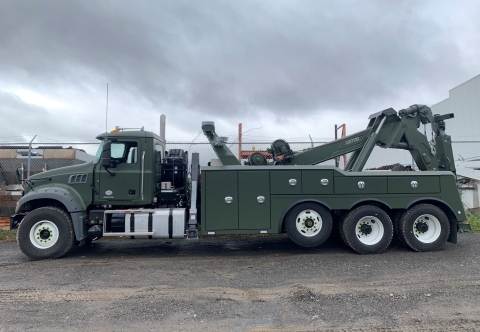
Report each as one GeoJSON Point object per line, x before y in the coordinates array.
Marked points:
{"type": "Point", "coordinates": [46, 178]}
{"type": "Point", "coordinates": [30, 182]}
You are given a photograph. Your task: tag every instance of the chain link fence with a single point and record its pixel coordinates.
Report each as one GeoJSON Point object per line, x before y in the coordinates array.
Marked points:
{"type": "Point", "coordinates": [18, 161]}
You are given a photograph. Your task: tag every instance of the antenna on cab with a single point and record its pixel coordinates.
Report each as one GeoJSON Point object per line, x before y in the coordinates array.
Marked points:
{"type": "Point", "coordinates": [106, 113]}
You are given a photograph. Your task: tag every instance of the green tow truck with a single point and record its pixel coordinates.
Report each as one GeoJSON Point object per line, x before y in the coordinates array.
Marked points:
{"type": "Point", "coordinates": [135, 188]}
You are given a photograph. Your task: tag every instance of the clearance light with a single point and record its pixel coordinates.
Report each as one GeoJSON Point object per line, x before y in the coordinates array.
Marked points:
{"type": "Point", "coordinates": [114, 131]}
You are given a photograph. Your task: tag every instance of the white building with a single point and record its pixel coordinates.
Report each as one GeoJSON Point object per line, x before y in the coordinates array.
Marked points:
{"type": "Point", "coordinates": [464, 101]}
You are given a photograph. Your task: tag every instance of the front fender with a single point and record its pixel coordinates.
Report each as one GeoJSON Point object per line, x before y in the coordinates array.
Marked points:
{"type": "Point", "coordinates": [63, 194]}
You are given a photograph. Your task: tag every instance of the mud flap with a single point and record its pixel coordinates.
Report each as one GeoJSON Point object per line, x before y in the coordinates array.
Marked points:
{"type": "Point", "coordinates": [453, 233]}
{"type": "Point", "coordinates": [78, 220]}
{"type": "Point", "coordinates": [15, 220]}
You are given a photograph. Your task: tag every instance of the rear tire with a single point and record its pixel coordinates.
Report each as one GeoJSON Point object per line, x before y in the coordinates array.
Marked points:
{"type": "Point", "coordinates": [396, 217]}
{"type": "Point", "coordinates": [46, 232]}
{"type": "Point", "coordinates": [424, 227]}
{"type": "Point", "coordinates": [337, 225]}
{"type": "Point", "coordinates": [308, 224]}
{"type": "Point", "coordinates": [367, 230]}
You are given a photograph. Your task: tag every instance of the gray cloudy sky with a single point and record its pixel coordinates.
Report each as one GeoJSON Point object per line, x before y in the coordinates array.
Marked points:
{"type": "Point", "coordinates": [291, 68]}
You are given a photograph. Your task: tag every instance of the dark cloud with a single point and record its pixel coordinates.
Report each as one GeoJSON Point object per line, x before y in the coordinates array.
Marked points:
{"type": "Point", "coordinates": [234, 59]}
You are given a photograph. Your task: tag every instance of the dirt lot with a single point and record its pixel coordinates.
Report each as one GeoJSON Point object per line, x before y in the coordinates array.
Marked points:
{"type": "Point", "coordinates": [4, 224]}
{"type": "Point", "coordinates": [255, 284]}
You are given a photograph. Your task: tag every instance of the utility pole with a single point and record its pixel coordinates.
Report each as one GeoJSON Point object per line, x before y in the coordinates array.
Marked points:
{"type": "Point", "coordinates": [29, 156]}
{"type": "Point", "coordinates": [240, 142]}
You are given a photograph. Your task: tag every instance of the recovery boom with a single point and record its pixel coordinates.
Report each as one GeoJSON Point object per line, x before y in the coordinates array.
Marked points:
{"type": "Point", "coordinates": [385, 129]}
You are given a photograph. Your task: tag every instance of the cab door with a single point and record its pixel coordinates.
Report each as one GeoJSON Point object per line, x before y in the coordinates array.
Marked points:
{"type": "Point", "coordinates": [122, 183]}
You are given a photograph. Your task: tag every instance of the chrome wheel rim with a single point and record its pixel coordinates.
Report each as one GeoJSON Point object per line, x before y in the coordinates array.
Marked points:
{"type": "Point", "coordinates": [427, 228]}
{"type": "Point", "coordinates": [44, 234]}
{"type": "Point", "coordinates": [308, 223]}
{"type": "Point", "coordinates": [369, 230]}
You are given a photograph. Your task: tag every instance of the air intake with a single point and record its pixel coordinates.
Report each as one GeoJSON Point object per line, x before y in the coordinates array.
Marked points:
{"type": "Point", "coordinates": [78, 178]}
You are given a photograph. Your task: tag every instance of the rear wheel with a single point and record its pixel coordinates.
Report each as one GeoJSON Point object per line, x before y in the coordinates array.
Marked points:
{"type": "Point", "coordinates": [367, 230]}
{"type": "Point", "coordinates": [424, 227]}
{"type": "Point", "coordinates": [46, 232]}
{"type": "Point", "coordinates": [308, 224]}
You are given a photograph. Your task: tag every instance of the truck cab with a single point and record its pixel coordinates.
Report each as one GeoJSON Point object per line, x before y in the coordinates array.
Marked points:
{"type": "Point", "coordinates": [131, 174]}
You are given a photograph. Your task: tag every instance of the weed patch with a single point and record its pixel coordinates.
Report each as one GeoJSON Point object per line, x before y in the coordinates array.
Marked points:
{"type": "Point", "coordinates": [474, 221]}
{"type": "Point", "coordinates": [8, 236]}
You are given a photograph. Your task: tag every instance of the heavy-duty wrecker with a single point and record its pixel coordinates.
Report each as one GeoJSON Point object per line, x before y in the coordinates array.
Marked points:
{"type": "Point", "coordinates": [135, 188]}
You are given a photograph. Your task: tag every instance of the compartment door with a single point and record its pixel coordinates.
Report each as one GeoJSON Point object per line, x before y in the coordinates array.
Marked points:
{"type": "Point", "coordinates": [414, 184]}
{"type": "Point", "coordinates": [220, 186]}
{"type": "Point", "coordinates": [286, 182]}
{"type": "Point", "coordinates": [317, 182]}
{"type": "Point", "coordinates": [254, 211]}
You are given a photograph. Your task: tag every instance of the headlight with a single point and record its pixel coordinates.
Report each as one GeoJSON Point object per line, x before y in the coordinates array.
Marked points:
{"type": "Point", "coordinates": [17, 207]}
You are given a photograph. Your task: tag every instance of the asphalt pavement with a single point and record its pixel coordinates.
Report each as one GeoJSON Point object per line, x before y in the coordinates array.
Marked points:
{"type": "Point", "coordinates": [241, 284]}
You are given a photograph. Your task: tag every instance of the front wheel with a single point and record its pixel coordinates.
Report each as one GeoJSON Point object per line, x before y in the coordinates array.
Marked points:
{"type": "Point", "coordinates": [46, 232]}
{"type": "Point", "coordinates": [424, 227]}
{"type": "Point", "coordinates": [308, 224]}
{"type": "Point", "coordinates": [367, 230]}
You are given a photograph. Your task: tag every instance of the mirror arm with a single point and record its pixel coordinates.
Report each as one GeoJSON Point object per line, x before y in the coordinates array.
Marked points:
{"type": "Point", "coordinates": [106, 169]}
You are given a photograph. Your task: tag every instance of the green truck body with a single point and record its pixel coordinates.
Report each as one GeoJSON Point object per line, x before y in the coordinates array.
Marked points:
{"type": "Point", "coordinates": [246, 214]}
{"type": "Point", "coordinates": [135, 188]}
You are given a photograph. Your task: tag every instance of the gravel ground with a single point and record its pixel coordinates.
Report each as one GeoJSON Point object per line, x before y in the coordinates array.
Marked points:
{"type": "Point", "coordinates": [241, 284]}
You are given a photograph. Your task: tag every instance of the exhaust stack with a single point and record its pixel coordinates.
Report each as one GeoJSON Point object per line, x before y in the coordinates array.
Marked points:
{"type": "Point", "coordinates": [162, 126]}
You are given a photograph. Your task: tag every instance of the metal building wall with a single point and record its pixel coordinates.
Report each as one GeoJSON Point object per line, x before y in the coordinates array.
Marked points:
{"type": "Point", "coordinates": [464, 101]}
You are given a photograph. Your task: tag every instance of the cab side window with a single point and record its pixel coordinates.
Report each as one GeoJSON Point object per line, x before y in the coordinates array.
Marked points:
{"type": "Point", "coordinates": [125, 152]}
{"type": "Point", "coordinates": [132, 155]}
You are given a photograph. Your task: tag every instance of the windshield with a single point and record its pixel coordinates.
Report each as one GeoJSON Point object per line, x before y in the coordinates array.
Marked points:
{"type": "Point", "coordinates": [99, 153]}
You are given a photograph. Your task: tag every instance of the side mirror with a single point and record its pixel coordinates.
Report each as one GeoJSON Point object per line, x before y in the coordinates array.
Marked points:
{"type": "Point", "coordinates": [106, 157]}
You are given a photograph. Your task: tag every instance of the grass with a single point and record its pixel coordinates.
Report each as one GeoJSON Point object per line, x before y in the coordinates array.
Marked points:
{"type": "Point", "coordinates": [8, 236]}
{"type": "Point", "coordinates": [474, 221]}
